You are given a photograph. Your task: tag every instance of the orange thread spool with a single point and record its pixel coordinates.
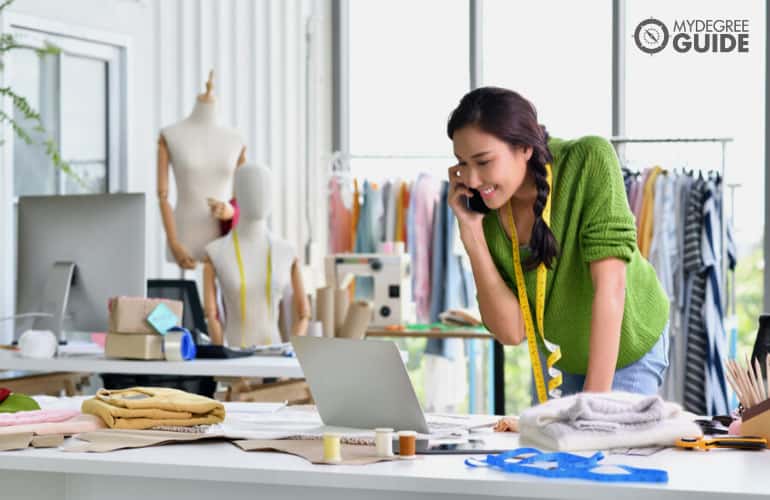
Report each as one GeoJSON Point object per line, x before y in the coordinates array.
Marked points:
{"type": "Point", "coordinates": [407, 441]}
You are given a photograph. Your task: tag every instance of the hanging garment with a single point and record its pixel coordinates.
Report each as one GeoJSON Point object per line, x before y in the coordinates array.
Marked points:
{"type": "Point", "coordinates": [424, 197]}
{"type": "Point", "coordinates": [695, 327]}
{"type": "Point", "coordinates": [637, 208]}
{"type": "Point", "coordinates": [448, 286]}
{"type": "Point", "coordinates": [385, 224]}
{"type": "Point", "coordinates": [340, 218]}
{"type": "Point", "coordinates": [717, 400]}
{"type": "Point", "coordinates": [445, 369]}
{"type": "Point", "coordinates": [391, 214]}
{"type": "Point", "coordinates": [355, 215]}
{"type": "Point", "coordinates": [411, 247]}
{"type": "Point", "coordinates": [663, 245]}
{"type": "Point", "coordinates": [646, 222]}
{"type": "Point", "coordinates": [401, 209]}
{"type": "Point", "coordinates": [367, 235]}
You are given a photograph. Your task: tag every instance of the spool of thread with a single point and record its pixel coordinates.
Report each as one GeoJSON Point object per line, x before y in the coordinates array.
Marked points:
{"type": "Point", "coordinates": [398, 248]}
{"type": "Point", "coordinates": [357, 320]}
{"type": "Point", "coordinates": [315, 329]}
{"type": "Point", "coordinates": [332, 447]}
{"type": "Point", "coordinates": [39, 344]}
{"type": "Point", "coordinates": [341, 304]}
{"type": "Point", "coordinates": [383, 440]}
{"type": "Point", "coordinates": [386, 247]}
{"type": "Point", "coordinates": [324, 300]}
{"type": "Point", "coordinates": [178, 345]}
{"type": "Point", "coordinates": [407, 443]}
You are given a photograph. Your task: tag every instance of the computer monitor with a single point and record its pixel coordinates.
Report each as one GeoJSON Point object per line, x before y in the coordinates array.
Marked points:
{"type": "Point", "coordinates": [74, 253]}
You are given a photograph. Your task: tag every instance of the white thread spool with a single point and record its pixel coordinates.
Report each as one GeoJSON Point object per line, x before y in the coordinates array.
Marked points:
{"type": "Point", "coordinates": [383, 439]}
{"type": "Point", "coordinates": [39, 344]}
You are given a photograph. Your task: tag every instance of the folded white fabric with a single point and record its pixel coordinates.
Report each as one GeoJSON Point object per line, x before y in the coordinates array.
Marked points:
{"type": "Point", "coordinates": [595, 421]}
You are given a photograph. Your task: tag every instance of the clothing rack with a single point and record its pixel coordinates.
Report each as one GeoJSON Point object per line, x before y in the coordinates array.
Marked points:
{"type": "Point", "coordinates": [619, 142]}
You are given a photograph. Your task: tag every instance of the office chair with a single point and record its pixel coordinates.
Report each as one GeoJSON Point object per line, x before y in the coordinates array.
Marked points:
{"type": "Point", "coordinates": [194, 320]}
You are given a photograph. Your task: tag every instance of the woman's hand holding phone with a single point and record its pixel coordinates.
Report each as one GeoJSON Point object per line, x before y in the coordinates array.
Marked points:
{"type": "Point", "coordinates": [458, 199]}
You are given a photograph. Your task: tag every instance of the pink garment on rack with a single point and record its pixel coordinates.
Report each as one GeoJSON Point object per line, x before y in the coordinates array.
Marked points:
{"type": "Point", "coordinates": [425, 196]}
{"type": "Point", "coordinates": [340, 219]}
{"type": "Point", "coordinates": [74, 425]}
{"type": "Point", "coordinates": [36, 416]}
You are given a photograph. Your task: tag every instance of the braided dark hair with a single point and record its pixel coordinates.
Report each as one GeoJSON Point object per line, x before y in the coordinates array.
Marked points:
{"type": "Point", "coordinates": [513, 119]}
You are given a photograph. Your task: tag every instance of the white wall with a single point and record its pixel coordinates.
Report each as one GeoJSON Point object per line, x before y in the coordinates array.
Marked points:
{"type": "Point", "coordinates": [257, 50]}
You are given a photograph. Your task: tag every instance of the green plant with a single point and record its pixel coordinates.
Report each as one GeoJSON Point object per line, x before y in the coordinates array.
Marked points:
{"type": "Point", "coordinates": [7, 43]}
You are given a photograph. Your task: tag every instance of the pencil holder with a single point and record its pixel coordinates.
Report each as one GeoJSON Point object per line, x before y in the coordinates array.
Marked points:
{"type": "Point", "coordinates": [756, 420]}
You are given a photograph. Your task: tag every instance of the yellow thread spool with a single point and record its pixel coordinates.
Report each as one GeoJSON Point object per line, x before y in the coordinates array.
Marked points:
{"type": "Point", "coordinates": [332, 447]}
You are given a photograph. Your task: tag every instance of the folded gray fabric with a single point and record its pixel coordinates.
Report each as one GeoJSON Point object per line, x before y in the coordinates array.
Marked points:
{"type": "Point", "coordinates": [603, 412]}
{"type": "Point", "coordinates": [591, 421]}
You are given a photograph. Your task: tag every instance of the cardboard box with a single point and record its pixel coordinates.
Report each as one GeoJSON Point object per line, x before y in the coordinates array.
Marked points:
{"type": "Point", "coordinates": [134, 346]}
{"type": "Point", "coordinates": [128, 315]}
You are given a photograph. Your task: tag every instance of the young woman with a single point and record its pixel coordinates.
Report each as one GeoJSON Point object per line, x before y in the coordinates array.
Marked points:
{"type": "Point", "coordinates": [555, 257]}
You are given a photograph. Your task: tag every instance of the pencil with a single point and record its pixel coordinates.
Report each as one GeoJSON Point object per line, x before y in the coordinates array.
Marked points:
{"type": "Point", "coordinates": [760, 380]}
{"type": "Point", "coordinates": [753, 380]}
{"type": "Point", "coordinates": [735, 387]}
{"type": "Point", "coordinates": [739, 376]}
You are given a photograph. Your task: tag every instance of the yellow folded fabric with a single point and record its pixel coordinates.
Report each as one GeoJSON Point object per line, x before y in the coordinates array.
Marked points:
{"type": "Point", "coordinates": [147, 407]}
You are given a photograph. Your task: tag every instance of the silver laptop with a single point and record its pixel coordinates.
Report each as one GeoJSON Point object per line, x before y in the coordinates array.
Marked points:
{"type": "Point", "coordinates": [359, 383]}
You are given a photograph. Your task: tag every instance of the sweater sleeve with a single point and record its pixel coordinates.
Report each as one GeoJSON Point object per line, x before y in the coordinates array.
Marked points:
{"type": "Point", "coordinates": [607, 226]}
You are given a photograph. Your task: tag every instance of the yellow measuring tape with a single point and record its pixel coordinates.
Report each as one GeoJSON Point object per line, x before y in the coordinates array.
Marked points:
{"type": "Point", "coordinates": [554, 352]}
{"type": "Point", "coordinates": [242, 277]}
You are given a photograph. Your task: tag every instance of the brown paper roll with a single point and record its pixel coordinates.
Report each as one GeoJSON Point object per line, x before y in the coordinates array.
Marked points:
{"type": "Point", "coordinates": [324, 305]}
{"type": "Point", "coordinates": [341, 303]}
{"type": "Point", "coordinates": [357, 320]}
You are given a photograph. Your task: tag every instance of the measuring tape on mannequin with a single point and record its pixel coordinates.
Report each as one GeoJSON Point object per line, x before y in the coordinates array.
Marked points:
{"type": "Point", "coordinates": [242, 276]}
{"type": "Point", "coordinates": [554, 352]}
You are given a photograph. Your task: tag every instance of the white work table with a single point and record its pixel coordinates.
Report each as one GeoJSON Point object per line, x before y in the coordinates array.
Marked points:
{"type": "Point", "coordinates": [221, 470]}
{"type": "Point", "coordinates": [252, 366]}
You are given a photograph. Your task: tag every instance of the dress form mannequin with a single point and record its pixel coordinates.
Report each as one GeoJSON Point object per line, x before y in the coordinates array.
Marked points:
{"type": "Point", "coordinates": [204, 156]}
{"type": "Point", "coordinates": [257, 322]}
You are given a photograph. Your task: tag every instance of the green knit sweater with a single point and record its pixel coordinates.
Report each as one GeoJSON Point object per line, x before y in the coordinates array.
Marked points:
{"type": "Point", "coordinates": [591, 220]}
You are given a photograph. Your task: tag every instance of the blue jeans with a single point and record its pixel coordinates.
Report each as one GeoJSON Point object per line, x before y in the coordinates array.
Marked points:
{"type": "Point", "coordinates": [643, 376]}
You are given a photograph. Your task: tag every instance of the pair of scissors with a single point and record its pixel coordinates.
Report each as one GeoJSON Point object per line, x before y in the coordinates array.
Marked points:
{"type": "Point", "coordinates": [738, 442]}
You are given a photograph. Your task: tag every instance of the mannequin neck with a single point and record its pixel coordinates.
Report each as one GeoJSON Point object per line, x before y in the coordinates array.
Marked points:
{"type": "Point", "coordinates": [252, 229]}
{"type": "Point", "coordinates": [204, 112]}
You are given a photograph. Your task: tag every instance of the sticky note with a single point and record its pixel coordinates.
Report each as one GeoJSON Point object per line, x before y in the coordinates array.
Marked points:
{"type": "Point", "coordinates": [162, 319]}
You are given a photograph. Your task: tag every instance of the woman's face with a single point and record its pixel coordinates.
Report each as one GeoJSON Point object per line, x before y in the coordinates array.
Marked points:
{"type": "Point", "coordinates": [492, 166]}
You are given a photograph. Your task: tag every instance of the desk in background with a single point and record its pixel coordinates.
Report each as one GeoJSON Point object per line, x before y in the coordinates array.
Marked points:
{"type": "Point", "coordinates": [252, 367]}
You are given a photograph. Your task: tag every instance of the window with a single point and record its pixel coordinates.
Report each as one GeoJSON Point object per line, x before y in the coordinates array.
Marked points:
{"type": "Point", "coordinates": [80, 93]}
{"type": "Point", "coordinates": [708, 94]}
{"type": "Point", "coordinates": [558, 55]}
{"type": "Point", "coordinates": [408, 70]}
{"type": "Point", "coordinates": [78, 102]}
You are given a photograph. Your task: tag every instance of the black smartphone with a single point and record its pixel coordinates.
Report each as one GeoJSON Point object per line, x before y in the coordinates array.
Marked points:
{"type": "Point", "coordinates": [475, 202]}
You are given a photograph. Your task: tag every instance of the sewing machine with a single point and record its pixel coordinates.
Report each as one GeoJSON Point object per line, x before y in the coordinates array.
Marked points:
{"type": "Point", "coordinates": [392, 291]}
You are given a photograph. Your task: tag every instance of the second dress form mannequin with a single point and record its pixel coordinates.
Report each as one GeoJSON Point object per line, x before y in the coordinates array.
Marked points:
{"type": "Point", "coordinates": [254, 272]}
{"type": "Point", "coordinates": [203, 156]}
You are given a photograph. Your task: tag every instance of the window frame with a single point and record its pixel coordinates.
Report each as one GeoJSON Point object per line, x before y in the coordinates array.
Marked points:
{"type": "Point", "coordinates": [115, 50]}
